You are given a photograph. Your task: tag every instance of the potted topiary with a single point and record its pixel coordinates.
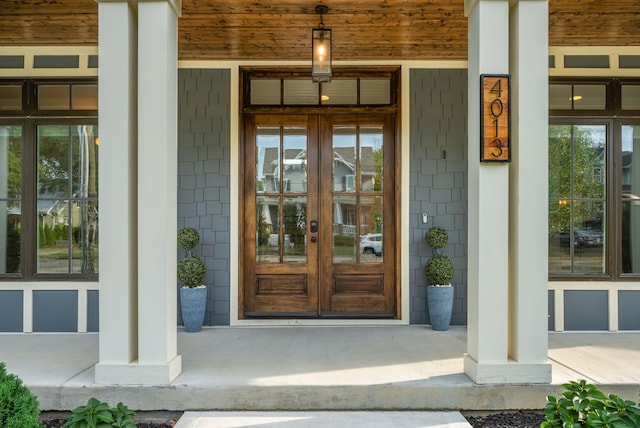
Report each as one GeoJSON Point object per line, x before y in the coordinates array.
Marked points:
{"type": "Point", "coordinates": [191, 272]}
{"type": "Point", "coordinates": [438, 271]}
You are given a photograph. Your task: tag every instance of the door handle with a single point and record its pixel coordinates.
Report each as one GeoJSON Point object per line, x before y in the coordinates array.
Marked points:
{"type": "Point", "coordinates": [314, 226]}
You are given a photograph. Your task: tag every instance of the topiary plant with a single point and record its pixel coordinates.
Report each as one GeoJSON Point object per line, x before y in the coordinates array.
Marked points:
{"type": "Point", "coordinates": [436, 237]}
{"type": "Point", "coordinates": [438, 270]}
{"type": "Point", "coordinates": [19, 408]}
{"type": "Point", "coordinates": [191, 269]}
{"type": "Point", "coordinates": [188, 238]}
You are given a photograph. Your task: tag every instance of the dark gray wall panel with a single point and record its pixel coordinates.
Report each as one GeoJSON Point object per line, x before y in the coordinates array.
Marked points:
{"type": "Point", "coordinates": [93, 324]}
{"type": "Point", "coordinates": [438, 183]}
{"type": "Point", "coordinates": [55, 311]}
{"type": "Point", "coordinates": [11, 61]}
{"type": "Point", "coordinates": [586, 310]}
{"type": "Point", "coordinates": [11, 311]}
{"type": "Point", "coordinates": [56, 61]}
{"type": "Point", "coordinates": [586, 61]}
{"type": "Point", "coordinates": [629, 310]}
{"type": "Point", "coordinates": [204, 179]}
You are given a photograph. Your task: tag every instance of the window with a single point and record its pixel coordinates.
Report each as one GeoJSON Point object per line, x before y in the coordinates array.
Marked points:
{"type": "Point", "coordinates": [594, 191]}
{"type": "Point", "coordinates": [49, 187]}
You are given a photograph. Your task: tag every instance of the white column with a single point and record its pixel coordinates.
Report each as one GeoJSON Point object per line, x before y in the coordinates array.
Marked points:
{"type": "Point", "coordinates": [138, 178]}
{"type": "Point", "coordinates": [118, 190]}
{"type": "Point", "coordinates": [487, 316]}
{"type": "Point", "coordinates": [496, 353]}
{"type": "Point", "coordinates": [157, 188]}
{"type": "Point", "coordinates": [528, 247]}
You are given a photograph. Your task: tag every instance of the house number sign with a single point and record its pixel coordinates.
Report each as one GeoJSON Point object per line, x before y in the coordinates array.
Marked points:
{"type": "Point", "coordinates": [495, 122]}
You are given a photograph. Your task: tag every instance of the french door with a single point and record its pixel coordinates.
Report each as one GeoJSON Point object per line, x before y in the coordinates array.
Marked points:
{"type": "Point", "coordinates": [319, 216]}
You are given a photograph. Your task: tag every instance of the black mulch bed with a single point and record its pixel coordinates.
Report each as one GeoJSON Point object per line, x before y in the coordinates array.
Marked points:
{"type": "Point", "coordinates": [152, 420]}
{"type": "Point", "coordinates": [520, 419]}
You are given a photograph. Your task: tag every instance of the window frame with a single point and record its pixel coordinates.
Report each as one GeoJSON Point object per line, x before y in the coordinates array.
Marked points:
{"type": "Point", "coordinates": [29, 118]}
{"type": "Point", "coordinates": [614, 118]}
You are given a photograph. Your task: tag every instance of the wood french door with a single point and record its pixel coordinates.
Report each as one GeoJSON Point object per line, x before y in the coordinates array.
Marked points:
{"type": "Point", "coordinates": [319, 206]}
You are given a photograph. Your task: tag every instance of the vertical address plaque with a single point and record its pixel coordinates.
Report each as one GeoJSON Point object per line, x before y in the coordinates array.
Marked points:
{"type": "Point", "coordinates": [495, 122]}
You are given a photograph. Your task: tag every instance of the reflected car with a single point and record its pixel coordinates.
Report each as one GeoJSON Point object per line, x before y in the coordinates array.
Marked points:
{"type": "Point", "coordinates": [371, 243]}
{"type": "Point", "coordinates": [588, 237]}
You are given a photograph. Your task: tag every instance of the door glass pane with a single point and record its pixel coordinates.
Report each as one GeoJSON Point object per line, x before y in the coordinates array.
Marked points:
{"type": "Point", "coordinates": [268, 229]}
{"type": "Point", "coordinates": [344, 158]}
{"type": "Point", "coordinates": [577, 183]}
{"type": "Point", "coordinates": [265, 91]}
{"type": "Point", "coordinates": [589, 166]}
{"type": "Point", "coordinates": [560, 242]}
{"type": "Point", "coordinates": [300, 91]}
{"type": "Point", "coordinates": [10, 192]}
{"type": "Point", "coordinates": [10, 97]}
{"type": "Point", "coordinates": [589, 97]}
{"type": "Point", "coordinates": [375, 91]}
{"type": "Point", "coordinates": [84, 97]}
{"type": "Point", "coordinates": [344, 91]}
{"type": "Point", "coordinates": [295, 239]}
{"type": "Point", "coordinates": [588, 238]}
{"type": "Point", "coordinates": [267, 159]}
{"type": "Point", "coordinates": [560, 97]}
{"type": "Point", "coordinates": [295, 160]}
{"type": "Point", "coordinates": [630, 199]}
{"type": "Point", "coordinates": [371, 159]}
{"type": "Point", "coordinates": [371, 229]}
{"type": "Point", "coordinates": [54, 97]}
{"type": "Point", "coordinates": [559, 159]}
{"type": "Point", "coordinates": [630, 97]}
{"type": "Point", "coordinates": [67, 209]}
{"type": "Point", "coordinates": [344, 229]}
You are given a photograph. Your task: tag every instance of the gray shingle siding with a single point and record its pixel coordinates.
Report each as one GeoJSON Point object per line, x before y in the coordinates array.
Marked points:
{"type": "Point", "coordinates": [204, 178]}
{"type": "Point", "coordinates": [438, 180]}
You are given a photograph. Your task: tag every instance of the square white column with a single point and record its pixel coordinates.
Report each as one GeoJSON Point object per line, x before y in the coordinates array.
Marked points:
{"type": "Point", "coordinates": [528, 263]}
{"type": "Point", "coordinates": [138, 117]}
{"type": "Point", "coordinates": [499, 320]}
{"type": "Point", "coordinates": [118, 189]}
{"type": "Point", "coordinates": [488, 231]}
{"type": "Point", "coordinates": [157, 187]}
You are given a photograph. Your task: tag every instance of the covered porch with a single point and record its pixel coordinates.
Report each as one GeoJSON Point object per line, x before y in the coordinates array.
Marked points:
{"type": "Point", "coordinates": [319, 368]}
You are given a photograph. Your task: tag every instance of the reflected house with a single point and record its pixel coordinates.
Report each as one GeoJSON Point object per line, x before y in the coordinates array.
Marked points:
{"type": "Point", "coordinates": [294, 181]}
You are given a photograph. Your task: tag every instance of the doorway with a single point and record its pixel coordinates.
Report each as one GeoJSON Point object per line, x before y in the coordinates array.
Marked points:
{"type": "Point", "coordinates": [319, 214]}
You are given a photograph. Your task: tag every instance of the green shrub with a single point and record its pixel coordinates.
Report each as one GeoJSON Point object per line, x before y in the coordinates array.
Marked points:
{"type": "Point", "coordinates": [191, 271]}
{"type": "Point", "coordinates": [436, 237]}
{"type": "Point", "coordinates": [439, 270]}
{"type": "Point", "coordinates": [583, 404]}
{"type": "Point", "coordinates": [19, 408]}
{"type": "Point", "coordinates": [97, 414]}
{"type": "Point", "coordinates": [188, 237]}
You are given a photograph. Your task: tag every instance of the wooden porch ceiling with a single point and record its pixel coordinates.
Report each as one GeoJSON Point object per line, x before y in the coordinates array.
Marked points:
{"type": "Point", "coordinates": [281, 29]}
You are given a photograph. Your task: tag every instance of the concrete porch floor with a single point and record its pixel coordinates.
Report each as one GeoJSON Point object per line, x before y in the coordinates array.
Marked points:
{"type": "Point", "coordinates": [318, 368]}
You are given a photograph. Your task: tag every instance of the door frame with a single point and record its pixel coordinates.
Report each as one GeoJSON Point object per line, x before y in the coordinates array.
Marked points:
{"type": "Point", "coordinates": [401, 183]}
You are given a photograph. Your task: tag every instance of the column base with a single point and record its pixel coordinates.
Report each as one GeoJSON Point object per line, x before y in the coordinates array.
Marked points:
{"type": "Point", "coordinates": [510, 372]}
{"type": "Point", "coordinates": [138, 374]}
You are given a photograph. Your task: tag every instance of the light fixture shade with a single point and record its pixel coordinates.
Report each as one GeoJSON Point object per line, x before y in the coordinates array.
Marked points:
{"type": "Point", "coordinates": [321, 59]}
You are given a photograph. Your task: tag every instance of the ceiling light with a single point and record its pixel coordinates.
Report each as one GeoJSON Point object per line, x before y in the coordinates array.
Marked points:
{"type": "Point", "coordinates": [321, 46]}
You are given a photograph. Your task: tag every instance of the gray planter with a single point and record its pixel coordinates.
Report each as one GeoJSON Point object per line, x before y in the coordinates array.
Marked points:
{"type": "Point", "coordinates": [192, 303]}
{"type": "Point", "coordinates": [440, 304]}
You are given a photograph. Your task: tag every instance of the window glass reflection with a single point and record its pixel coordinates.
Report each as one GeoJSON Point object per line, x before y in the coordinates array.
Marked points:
{"type": "Point", "coordinates": [630, 180]}
{"type": "Point", "coordinates": [10, 194]}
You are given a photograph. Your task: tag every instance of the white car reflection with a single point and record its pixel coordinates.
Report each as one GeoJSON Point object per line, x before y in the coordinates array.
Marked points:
{"type": "Point", "coordinates": [371, 243]}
